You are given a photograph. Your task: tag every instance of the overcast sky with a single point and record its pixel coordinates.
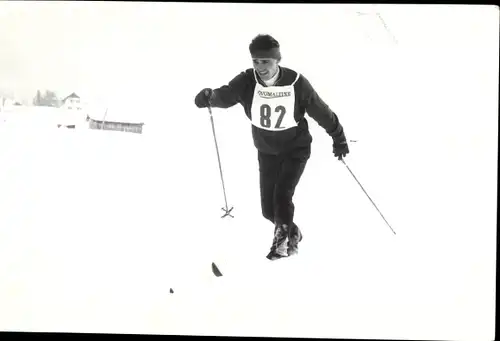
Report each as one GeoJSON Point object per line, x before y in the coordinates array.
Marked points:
{"type": "Point", "coordinates": [170, 50]}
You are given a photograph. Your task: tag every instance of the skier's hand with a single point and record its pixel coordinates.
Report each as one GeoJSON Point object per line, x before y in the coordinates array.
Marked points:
{"type": "Point", "coordinates": [340, 148]}
{"type": "Point", "coordinates": [202, 99]}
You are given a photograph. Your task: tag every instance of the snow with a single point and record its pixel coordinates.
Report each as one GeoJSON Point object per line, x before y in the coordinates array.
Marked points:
{"type": "Point", "coordinates": [97, 226]}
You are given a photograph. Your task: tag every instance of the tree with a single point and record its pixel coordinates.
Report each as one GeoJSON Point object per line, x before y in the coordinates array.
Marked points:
{"type": "Point", "coordinates": [49, 99]}
{"type": "Point", "coordinates": [38, 98]}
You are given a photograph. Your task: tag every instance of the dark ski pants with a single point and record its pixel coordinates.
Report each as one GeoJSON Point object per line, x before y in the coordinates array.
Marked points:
{"type": "Point", "coordinates": [279, 176]}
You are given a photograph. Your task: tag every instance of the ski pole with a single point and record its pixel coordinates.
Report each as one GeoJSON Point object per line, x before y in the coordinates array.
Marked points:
{"type": "Point", "coordinates": [368, 196]}
{"type": "Point", "coordinates": [226, 210]}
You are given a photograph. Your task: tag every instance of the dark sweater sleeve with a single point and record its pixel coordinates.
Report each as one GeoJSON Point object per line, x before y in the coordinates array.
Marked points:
{"type": "Point", "coordinates": [319, 111]}
{"type": "Point", "coordinates": [228, 95]}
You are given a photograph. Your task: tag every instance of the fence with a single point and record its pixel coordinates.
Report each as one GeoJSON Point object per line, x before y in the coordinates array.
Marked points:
{"type": "Point", "coordinates": [116, 126]}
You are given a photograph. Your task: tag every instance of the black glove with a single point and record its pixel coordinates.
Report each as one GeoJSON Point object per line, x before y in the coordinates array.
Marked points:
{"type": "Point", "coordinates": [202, 99]}
{"type": "Point", "coordinates": [340, 148]}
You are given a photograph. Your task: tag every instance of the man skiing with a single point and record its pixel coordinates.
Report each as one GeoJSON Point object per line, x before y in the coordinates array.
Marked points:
{"type": "Point", "coordinates": [275, 99]}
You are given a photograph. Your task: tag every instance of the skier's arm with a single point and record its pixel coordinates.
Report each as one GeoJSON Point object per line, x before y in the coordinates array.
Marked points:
{"type": "Point", "coordinates": [228, 95]}
{"type": "Point", "coordinates": [320, 112]}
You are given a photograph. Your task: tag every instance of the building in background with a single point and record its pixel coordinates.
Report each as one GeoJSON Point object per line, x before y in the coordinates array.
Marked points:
{"type": "Point", "coordinates": [72, 113]}
{"type": "Point", "coordinates": [71, 102]}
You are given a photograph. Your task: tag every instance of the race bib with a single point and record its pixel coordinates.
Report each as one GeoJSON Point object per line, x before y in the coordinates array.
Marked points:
{"type": "Point", "coordinates": [273, 107]}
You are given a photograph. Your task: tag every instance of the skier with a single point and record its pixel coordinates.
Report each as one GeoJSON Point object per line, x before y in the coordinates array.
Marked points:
{"type": "Point", "coordinates": [275, 99]}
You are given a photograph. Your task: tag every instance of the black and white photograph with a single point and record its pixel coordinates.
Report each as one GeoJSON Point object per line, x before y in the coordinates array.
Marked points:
{"type": "Point", "coordinates": [280, 170]}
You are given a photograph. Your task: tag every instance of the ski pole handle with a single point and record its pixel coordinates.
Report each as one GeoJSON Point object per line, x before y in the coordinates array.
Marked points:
{"type": "Point", "coordinates": [209, 93]}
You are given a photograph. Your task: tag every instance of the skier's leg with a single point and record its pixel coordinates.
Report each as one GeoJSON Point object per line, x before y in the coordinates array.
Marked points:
{"type": "Point", "coordinates": [269, 171]}
{"type": "Point", "coordinates": [292, 170]}
{"type": "Point", "coordinates": [269, 167]}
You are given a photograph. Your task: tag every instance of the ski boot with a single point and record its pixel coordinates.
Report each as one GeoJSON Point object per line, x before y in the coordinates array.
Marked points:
{"type": "Point", "coordinates": [279, 249]}
{"type": "Point", "coordinates": [294, 238]}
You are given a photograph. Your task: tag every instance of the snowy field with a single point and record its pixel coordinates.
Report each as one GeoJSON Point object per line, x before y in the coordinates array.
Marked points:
{"type": "Point", "coordinates": [96, 227]}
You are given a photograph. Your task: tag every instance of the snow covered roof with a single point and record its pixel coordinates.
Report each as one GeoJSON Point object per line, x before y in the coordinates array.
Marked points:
{"type": "Point", "coordinates": [72, 95]}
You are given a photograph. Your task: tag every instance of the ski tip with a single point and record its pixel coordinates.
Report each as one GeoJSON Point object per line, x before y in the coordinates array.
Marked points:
{"type": "Point", "coordinates": [216, 270]}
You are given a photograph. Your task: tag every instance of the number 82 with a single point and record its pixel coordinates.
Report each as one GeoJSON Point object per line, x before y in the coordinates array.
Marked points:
{"type": "Point", "coordinates": [265, 116]}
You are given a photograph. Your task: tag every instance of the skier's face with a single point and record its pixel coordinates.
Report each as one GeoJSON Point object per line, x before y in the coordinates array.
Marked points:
{"type": "Point", "coordinates": [266, 68]}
